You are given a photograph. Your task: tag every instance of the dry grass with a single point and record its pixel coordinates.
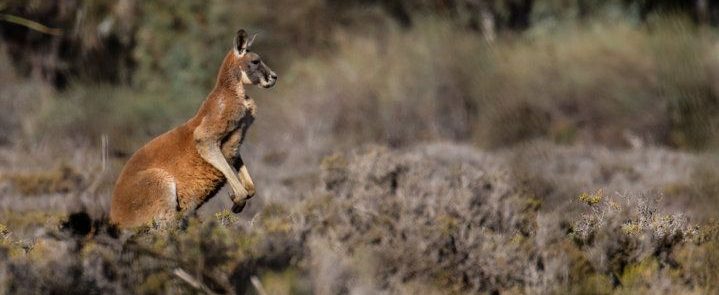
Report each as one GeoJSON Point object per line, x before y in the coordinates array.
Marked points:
{"type": "Point", "coordinates": [615, 84]}
{"type": "Point", "coordinates": [62, 179]}
{"type": "Point", "coordinates": [608, 83]}
{"type": "Point", "coordinates": [440, 217]}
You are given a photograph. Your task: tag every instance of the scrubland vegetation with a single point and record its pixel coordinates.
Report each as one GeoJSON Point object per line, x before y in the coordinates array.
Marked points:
{"type": "Point", "coordinates": [448, 147]}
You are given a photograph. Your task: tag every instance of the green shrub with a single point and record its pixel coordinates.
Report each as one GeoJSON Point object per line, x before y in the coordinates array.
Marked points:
{"type": "Point", "coordinates": [127, 116]}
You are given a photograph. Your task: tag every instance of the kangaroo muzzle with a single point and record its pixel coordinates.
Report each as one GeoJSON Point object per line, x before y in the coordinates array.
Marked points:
{"type": "Point", "coordinates": [269, 80]}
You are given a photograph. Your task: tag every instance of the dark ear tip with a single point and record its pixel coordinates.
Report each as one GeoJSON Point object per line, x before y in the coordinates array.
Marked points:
{"type": "Point", "coordinates": [241, 32]}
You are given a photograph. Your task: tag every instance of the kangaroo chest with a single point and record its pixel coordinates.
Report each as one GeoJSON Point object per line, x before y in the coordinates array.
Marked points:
{"type": "Point", "coordinates": [250, 107]}
{"type": "Point", "coordinates": [248, 115]}
{"type": "Point", "coordinates": [242, 114]}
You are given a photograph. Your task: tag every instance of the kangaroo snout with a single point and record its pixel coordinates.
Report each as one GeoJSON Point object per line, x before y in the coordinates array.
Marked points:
{"type": "Point", "coordinates": [269, 81]}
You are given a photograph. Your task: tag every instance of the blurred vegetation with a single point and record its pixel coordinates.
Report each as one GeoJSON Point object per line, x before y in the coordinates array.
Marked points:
{"type": "Point", "coordinates": [544, 86]}
{"type": "Point", "coordinates": [492, 72]}
{"type": "Point", "coordinates": [374, 224]}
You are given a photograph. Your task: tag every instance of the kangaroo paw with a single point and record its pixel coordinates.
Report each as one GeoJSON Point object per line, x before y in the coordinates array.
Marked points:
{"type": "Point", "coordinates": [237, 207]}
{"type": "Point", "coordinates": [237, 203]}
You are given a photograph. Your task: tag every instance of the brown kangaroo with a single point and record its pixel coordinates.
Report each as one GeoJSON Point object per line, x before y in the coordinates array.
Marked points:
{"type": "Point", "coordinates": [178, 171]}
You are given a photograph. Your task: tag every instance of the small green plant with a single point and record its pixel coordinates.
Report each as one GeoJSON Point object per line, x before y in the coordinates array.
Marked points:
{"type": "Point", "coordinates": [226, 218]}
{"type": "Point", "coordinates": [591, 199]}
{"type": "Point", "coordinates": [636, 275]}
{"type": "Point", "coordinates": [631, 228]}
{"type": "Point", "coordinates": [3, 231]}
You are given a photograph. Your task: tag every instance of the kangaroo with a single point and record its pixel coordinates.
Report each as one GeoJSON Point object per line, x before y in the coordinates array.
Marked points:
{"type": "Point", "coordinates": [178, 171]}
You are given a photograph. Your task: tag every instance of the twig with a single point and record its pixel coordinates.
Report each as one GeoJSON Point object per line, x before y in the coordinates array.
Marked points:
{"type": "Point", "coordinates": [33, 25]}
{"type": "Point", "coordinates": [103, 158]}
{"type": "Point", "coordinates": [213, 277]}
{"type": "Point", "coordinates": [258, 285]}
{"type": "Point", "coordinates": [183, 275]}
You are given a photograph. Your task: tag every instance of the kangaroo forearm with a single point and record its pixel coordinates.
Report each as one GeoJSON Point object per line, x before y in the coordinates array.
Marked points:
{"type": "Point", "coordinates": [212, 154]}
{"type": "Point", "coordinates": [247, 180]}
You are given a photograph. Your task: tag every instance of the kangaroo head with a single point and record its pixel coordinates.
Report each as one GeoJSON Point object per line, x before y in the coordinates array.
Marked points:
{"type": "Point", "coordinates": [246, 67]}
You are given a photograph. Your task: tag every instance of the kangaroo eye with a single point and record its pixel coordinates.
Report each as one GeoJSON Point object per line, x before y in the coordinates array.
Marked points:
{"type": "Point", "coordinates": [255, 62]}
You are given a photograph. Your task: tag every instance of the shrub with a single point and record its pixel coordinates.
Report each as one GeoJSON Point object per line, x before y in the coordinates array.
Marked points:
{"type": "Point", "coordinates": [626, 231]}
{"type": "Point", "coordinates": [575, 83]}
{"type": "Point", "coordinates": [685, 70]}
{"type": "Point", "coordinates": [441, 217]}
{"type": "Point", "coordinates": [126, 116]}
{"type": "Point", "coordinates": [62, 179]}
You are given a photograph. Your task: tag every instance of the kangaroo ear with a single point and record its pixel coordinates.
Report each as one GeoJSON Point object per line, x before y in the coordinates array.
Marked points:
{"type": "Point", "coordinates": [242, 42]}
{"type": "Point", "coordinates": [252, 40]}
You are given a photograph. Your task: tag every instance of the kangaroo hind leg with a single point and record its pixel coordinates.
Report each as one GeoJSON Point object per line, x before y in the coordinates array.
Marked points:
{"type": "Point", "coordinates": [152, 196]}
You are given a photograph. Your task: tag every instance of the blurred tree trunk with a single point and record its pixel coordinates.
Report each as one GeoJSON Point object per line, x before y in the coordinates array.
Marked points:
{"type": "Point", "coordinates": [487, 19]}
{"type": "Point", "coordinates": [584, 8]}
{"type": "Point", "coordinates": [520, 12]}
{"type": "Point", "coordinates": [482, 17]}
{"type": "Point", "coordinates": [706, 12]}
{"type": "Point", "coordinates": [699, 10]}
{"type": "Point", "coordinates": [702, 10]}
{"type": "Point", "coordinates": [397, 9]}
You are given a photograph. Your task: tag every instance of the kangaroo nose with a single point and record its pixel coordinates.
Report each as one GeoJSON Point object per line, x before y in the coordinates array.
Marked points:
{"type": "Point", "coordinates": [273, 76]}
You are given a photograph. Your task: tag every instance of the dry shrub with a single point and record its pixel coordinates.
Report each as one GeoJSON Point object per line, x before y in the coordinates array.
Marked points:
{"type": "Point", "coordinates": [701, 189]}
{"type": "Point", "coordinates": [644, 249]}
{"type": "Point", "coordinates": [706, 183]}
{"type": "Point", "coordinates": [686, 74]}
{"type": "Point", "coordinates": [612, 242]}
{"type": "Point", "coordinates": [395, 87]}
{"type": "Point", "coordinates": [404, 223]}
{"type": "Point", "coordinates": [447, 208]}
{"type": "Point", "coordinates": [127, 117]}
{"type": "Point", "coordinates": [350, 74]}
{"type": "Point", "coordinates": [595, 82]}
{"type": "Point", "coordinates": [63, 179]}
{"type": "Point", "coordinates": [19, 98]}
{"type": "Point", "coordinates": [592, 82]}
{"type": "Point", "coordinates": [699, 260]}
{"type": "Point", "coordinates": [222, 258]}
{"type": "Point", "coordinates": [442, 218]}
{"type": "Point", "coordinates": [625, 230]}
{"type": "Point", "coordinates": [557, 173]}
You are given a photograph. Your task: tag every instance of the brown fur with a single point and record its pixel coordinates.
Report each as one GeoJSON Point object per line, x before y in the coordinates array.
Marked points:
{"type": "Point", "coordinates": [178, 171]}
